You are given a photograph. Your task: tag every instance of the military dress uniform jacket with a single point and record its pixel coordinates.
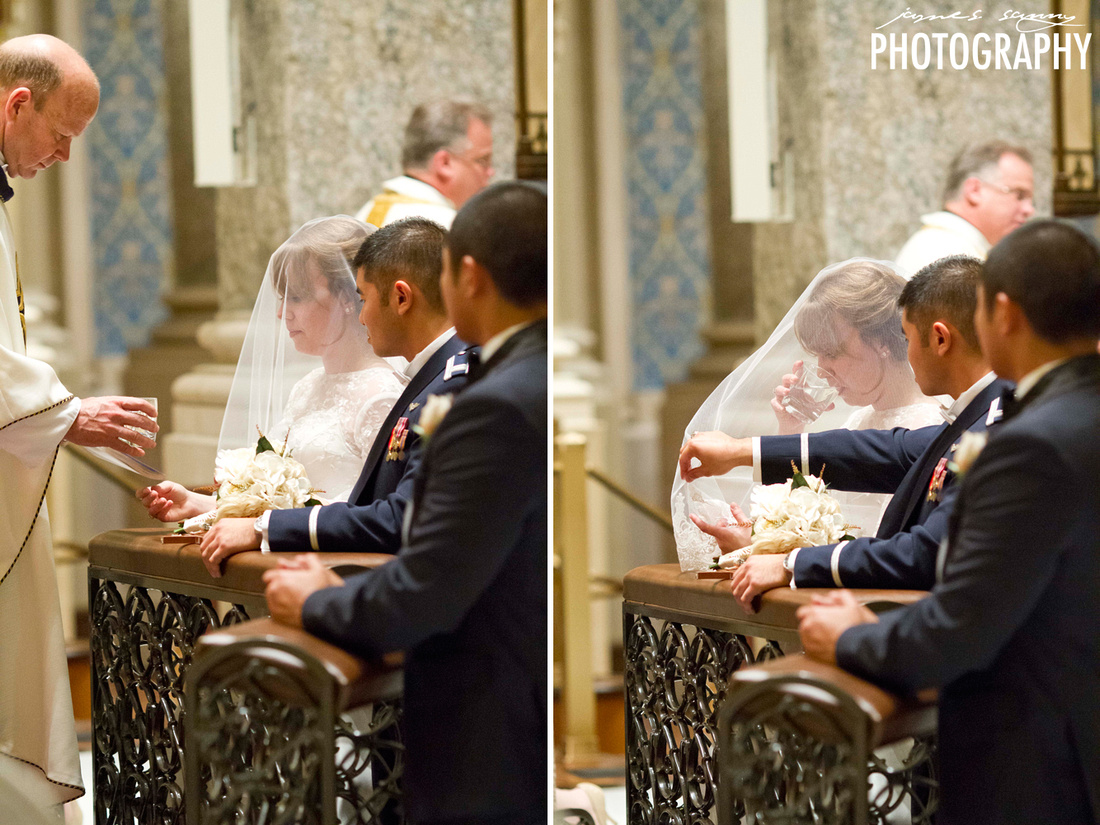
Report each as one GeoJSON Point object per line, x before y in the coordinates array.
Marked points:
{"type": "Point", "coordinates": [911, 464]}
{"type": "Point", "coordinates": [466, 598]}
{"type": "Point", "coordinates": [1010, 633]}
{"type": "Point", "coordinates": [370, 520]}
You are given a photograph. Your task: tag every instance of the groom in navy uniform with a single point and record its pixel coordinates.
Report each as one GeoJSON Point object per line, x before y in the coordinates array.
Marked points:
{"type": "Point", "coordinates": [397, 276]}
{"type": "Point", "coordinates": [1009, 633]}
{"type": "Point", "coordinates": [466, 595]}
{"type": "Point", "coordinates": [937, 306]}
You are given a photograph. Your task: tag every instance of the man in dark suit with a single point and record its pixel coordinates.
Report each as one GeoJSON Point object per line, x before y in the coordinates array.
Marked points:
{"type": "Point", "coordinates": [466, 595]}
{"type": "Point", "coordinates": [938, 320]}
{"type": "Point", "coordinates": [1009, 632]}
{"type": "Point", "coordinates": [397, 277]}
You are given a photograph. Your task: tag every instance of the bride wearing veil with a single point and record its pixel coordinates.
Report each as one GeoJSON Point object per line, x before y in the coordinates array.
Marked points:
{"type": "Point", "coordinates": [848, 320]}
{"type": "Point", "coordinates": [307, 374]}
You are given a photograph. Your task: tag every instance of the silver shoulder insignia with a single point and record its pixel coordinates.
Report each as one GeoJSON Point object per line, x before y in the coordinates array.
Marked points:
{"type": "Point", "coordinates": [454, 368]}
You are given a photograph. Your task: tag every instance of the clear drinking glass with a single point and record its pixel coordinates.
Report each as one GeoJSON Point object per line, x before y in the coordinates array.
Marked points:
{"type": "Point", "coordinates": [811, 394]}
{"type": "Point", "coordinates": [147, 433]}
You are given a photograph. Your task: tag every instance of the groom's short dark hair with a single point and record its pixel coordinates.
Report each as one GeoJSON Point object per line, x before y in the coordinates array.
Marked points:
{"type": "Point", "coordinates": [1052, 270]}
{"type": "Point", "coordinates": [410, 250]}
{"type": "Point", "coordinates": [504, 228]}
{"type": "Point", "coordinates": [945, 289]}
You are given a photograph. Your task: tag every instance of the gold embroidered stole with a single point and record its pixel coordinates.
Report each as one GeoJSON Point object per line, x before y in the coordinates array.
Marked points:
{"type": "Point", "coordinates": [19, 296]}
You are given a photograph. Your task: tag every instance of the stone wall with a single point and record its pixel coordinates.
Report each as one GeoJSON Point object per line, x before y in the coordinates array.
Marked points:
{"type": "Point", "coordinates": [871, 146]}
{"type": "Point", "coordinates": [331, 85]}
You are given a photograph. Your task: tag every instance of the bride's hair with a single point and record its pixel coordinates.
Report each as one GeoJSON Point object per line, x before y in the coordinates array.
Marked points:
{"type": "Point", "coordinates": [330, 245]}
{"type": "Point", "coordinates": [862, 293]}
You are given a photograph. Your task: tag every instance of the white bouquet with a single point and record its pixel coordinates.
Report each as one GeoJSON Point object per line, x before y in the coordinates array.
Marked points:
{"type": "Point", "coordinates": [798, 512]}
{"type": "Point", "coordinates": [254, 480]}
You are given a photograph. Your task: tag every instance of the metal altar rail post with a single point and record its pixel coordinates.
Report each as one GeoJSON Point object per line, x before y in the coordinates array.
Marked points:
{"type": "Point", "coordinates": [150, 604]}
{"type": "Point", "coordinates": [724, 729]}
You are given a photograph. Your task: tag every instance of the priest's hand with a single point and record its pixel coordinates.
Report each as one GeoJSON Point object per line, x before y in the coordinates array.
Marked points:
{"type": "Point", "coordinates": [716, 452]}
{"type": "Point", "coordinates": [114, 421]}
{"type": "Point", "coordinates": [169, 501]}
{"type": "Point", "coordinates": [821, 623]}
{"type": "Point", "coordinates": [756, 575]}
{"type": "Point", "coordinates": [294, 581]}
{"type": "Point", "coordinates": [732, 533]}
{"type": "Point", "coordinates": [227, 538]}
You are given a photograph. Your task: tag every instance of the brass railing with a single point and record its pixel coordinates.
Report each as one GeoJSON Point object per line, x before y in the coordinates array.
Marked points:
{"type": "Point", "coordinates": [262, 696]}
{"type": "Point", "coordinates": [721, 727]}
{"type": "Point", "coordinates": [578, 587]}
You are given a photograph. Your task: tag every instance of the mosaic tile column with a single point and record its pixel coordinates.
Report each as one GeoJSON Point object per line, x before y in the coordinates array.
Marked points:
{"type": "Point", "coordinates": [127, 146]}
{"type": "Point", "coordinates": [666, 186]}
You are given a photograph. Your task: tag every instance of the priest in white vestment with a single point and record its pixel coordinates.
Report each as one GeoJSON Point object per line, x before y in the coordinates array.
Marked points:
{"type": "Point", "coordinates": [48, 95]}
{"type": "Point", "coordinates": [447, 156]}
{"type": "Point", "coordinates": [988, 194]}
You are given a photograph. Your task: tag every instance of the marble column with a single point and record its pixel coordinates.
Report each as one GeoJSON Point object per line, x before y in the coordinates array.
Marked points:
{"type": "Point", "coordinates": [190, 297]}
{"type": "Point", "coordinates": [331, 85]}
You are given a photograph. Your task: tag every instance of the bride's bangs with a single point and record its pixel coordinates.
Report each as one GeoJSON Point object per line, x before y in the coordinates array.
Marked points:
{"type": "Point", "coordinates": [817, 331]}
{"type": "Point", "coordinates": [864, 295]}
{"type": "Point", "coordinates": [290, 272]}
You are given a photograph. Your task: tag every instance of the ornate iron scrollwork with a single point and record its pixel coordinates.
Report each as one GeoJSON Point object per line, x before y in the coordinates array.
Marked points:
{"type": "Point", "coordinates": [141, 646]}
{"type": "Point", "coordinates": [142, 643]}
{"type": "Point", "coordinates": [676, 675]}
{"type": "Point", "coordinates": [788, 762]}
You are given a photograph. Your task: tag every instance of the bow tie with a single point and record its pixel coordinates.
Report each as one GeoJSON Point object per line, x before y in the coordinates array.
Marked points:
{"type": "Point", "coordinates": [6, 192]}
{"type": "Point", "coordinates": [1010, 405]}
{"type": "Point", "coordinates": [473, 358]}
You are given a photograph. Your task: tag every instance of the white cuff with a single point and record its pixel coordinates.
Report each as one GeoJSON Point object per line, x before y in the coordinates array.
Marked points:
{"type": "Point", "coordinates": [794, 558]}
{"type": "Point", "coordinates": [804, 441]}
{"type": "Point", "coordinates": [313, 514]}
{"type": "Point", "coordinates": [261, 528]}
{"type": "Point", "coordinates": [756, 471]}
{"type": "Point", "coordinates": [834, 563]}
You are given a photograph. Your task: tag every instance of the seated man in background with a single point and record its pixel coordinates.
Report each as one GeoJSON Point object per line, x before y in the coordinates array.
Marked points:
{"type": "Point", "coordinates": [1019, 724]}
{"type": "Point", "coordinates": [938, 319]}
{"type": "Point", "coordinates": [466, 595]}
{"type": "Point", "coordinates": [447, 157]}
{"type": "Point", "coordinates": [988, 193]}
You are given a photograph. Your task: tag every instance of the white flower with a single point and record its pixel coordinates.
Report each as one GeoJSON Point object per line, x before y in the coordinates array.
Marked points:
{"type": "Point", "coordinates": [231, 467]}
{"type": "Point", "coordinates": [436, 407]}
{"type": "Point", "coordinates": [786, 518]}
{"type": "Point", "coordinates": [251, 483]}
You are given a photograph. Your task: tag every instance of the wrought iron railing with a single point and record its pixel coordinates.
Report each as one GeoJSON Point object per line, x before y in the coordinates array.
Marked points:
{"type": "Point", "coordinates": [262, 696]}
{"type": "Point", "coordinates": [722, 728]}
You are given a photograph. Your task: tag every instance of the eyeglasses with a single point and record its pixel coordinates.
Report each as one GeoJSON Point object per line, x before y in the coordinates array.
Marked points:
{"type": "Point", "coordinates": [1016, 192]}
{"type": "Point", "coordinates": [484, 161]}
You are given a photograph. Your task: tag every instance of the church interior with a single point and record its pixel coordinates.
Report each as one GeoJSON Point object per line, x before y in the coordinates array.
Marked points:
{"type": "Point", "coordinates": [223, 126]}
{"type": "Point", "coordinates": [710, 158]}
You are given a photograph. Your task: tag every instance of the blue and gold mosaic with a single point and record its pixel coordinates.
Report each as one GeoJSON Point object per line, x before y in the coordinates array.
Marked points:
{"type": "Point", "coordinates": [666, 186]}
{"type": "Point", "coordinates": [130, 178]}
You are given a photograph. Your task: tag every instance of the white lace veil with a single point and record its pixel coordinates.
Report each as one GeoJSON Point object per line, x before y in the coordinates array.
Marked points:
{"type": "Point", "coordinates": [308, 290]}
{"type": "Point", "coordinates": [741, 406]}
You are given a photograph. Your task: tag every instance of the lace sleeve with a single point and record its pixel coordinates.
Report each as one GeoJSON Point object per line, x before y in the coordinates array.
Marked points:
{"type": "Point", "coordinates": [380, 397]}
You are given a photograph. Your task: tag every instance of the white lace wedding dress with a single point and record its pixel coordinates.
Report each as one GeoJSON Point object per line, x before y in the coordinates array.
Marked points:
{"type": "Point", "coordinates": [911, 417]}
{"type": "Point", "coordinates": [332, 419]}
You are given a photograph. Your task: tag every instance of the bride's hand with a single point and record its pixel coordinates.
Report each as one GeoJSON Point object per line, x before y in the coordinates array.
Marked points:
{"type": "Point", "coordinates": [788, 424]}
{"type": "Point", "coordinates": [169, 501]}
{"type": "Point", "coordinates": [731, 534]}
